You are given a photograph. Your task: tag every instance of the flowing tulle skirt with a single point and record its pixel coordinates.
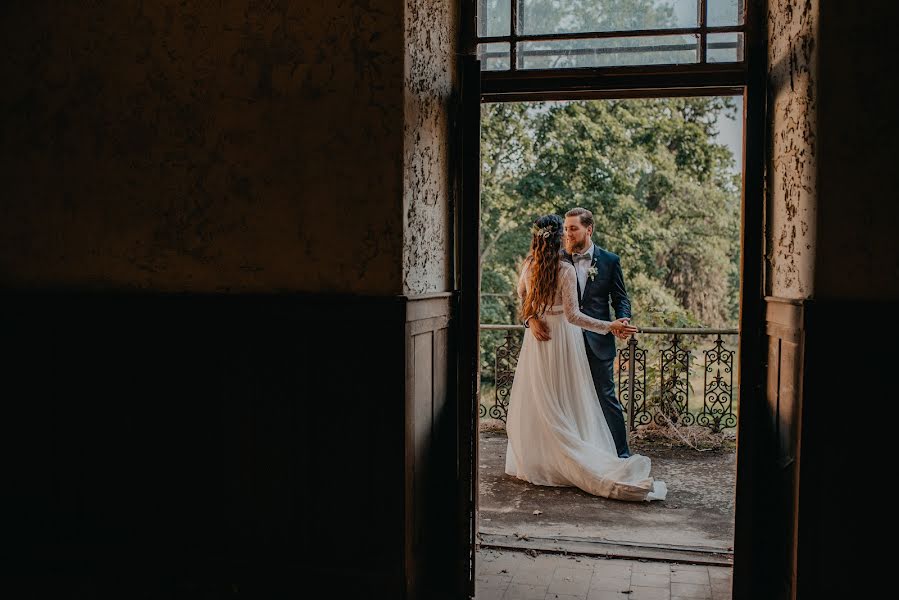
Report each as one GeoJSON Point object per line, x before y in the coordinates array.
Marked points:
{"type": "Point", "coordinates": [558, 435]}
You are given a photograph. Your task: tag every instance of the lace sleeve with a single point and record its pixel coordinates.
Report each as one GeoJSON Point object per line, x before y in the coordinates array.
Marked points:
{"type": "Point", "coordinates": [522, 280]}
{"type": "Point", "coordinates": [573, 314]}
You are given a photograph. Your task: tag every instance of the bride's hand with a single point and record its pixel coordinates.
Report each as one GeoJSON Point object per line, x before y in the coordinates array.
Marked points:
{"type": "Point", "coordinates": [621, 328]}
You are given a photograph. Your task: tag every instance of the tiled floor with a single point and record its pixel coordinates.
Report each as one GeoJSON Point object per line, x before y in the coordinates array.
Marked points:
{"type": "Point", "coordinates": [515, 575]}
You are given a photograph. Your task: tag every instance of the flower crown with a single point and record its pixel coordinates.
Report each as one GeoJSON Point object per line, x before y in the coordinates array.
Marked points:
{"type": "Point", "coordinates": [545, 231]}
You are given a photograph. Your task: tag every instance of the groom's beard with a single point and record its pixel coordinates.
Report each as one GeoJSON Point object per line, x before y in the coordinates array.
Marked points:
{"type": "Point", "coordinates": [575, 247]}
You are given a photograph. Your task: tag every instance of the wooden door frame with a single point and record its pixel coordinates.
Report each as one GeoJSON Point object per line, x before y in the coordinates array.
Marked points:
{"type": "Point", "coordinates": [749, 80]}
{"type": "Point", "coordinates": [752, 550]}
{"type": "Point", "coordinates": [467, 233]}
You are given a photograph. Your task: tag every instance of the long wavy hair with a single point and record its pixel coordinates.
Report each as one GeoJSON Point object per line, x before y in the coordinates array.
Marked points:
{"type": "Point", "coordinates": [543, 259]}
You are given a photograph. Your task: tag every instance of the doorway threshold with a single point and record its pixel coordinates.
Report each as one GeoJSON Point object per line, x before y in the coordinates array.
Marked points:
{"type": "Point", "coordinates": [696, 555]}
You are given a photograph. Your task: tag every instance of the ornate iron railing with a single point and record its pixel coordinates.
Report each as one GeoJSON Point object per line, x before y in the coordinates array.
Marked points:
{"type": "Point", "coordinates": [658, 391]}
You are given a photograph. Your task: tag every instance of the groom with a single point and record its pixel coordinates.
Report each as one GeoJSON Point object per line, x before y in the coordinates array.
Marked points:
{"type": "Point", "coordinates": [599, 282]}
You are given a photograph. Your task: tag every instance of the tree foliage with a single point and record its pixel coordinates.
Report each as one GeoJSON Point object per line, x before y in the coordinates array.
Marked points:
{"type": "Point", "coordinates": [663, 192]}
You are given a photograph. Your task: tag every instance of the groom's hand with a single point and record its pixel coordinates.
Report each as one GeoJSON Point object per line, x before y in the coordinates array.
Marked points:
{"type": "Point", "coordinates": [539, 329]}
{"type": "Point", "coordinates": [622, 329]}
{"type": "Point", "coordinates": [621, 335]}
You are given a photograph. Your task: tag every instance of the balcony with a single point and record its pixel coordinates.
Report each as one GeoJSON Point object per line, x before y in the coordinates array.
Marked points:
{"type": "Point", "coordinates": [670, 377]}
{"type": "Point", "coordinates": [678, 387]}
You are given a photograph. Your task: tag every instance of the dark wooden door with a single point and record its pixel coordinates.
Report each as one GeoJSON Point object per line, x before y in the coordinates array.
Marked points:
{"type": "Point", "coordinates": [469, 294]}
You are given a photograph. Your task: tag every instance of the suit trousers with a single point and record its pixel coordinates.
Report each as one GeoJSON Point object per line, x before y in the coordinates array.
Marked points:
{"type": "Point", "coordinates": [604, 380]}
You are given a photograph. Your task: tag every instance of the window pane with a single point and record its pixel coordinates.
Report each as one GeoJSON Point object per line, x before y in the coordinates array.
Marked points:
{"type": "Point", "coordinates": [724, 47]}
{"type": "Point", "coordinates": [609, 52]}
{"type": "Point", "coordinates": [494, 17]}
{"type": "Point", "coordinates": [725, 12]}
{"type": "Point", "coordinates": [578, 16]}
{"type": "Point", "coordinates": [494, 57]}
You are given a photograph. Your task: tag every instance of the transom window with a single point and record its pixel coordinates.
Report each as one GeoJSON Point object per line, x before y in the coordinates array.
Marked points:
{"type": "Point", "coordinates": [534, 35]}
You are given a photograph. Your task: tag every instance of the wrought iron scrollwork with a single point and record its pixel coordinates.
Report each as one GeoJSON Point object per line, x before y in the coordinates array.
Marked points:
{"type": "Point", "coordinates": [718, 395]}
{"type": "Point", "coordinates": [667, 403]}
{"type": "Point", "coordinates": [504, 368]}
{"type": "Point", "coordinates": [674, 400]}
{"type": "Point", "coordinates": [635, 406]}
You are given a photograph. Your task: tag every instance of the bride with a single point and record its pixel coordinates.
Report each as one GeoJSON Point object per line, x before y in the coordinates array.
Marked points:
{"type": "Point", "coordinates": [558, 435]}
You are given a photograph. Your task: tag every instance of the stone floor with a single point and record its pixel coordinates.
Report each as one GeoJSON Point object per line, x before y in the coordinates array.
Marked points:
{"type": "Point", "coordinates": [505, 575]}
{"type": "Point", "coordinates": [698, 512]}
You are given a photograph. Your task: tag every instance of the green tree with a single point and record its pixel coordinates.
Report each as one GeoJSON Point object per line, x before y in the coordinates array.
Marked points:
{"type": "Point", "coordinates": [662, 190]}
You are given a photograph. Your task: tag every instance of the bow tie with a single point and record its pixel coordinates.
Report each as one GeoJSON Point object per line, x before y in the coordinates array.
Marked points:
{"type": "Point", "coordinates": [584, 256]}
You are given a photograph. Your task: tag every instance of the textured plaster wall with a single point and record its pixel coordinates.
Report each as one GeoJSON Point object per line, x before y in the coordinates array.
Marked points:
{"type": "Point", "coordinates": [858, 195]}
{"type": "Point", "coordinates": [792, 170]}
{"type": "Point", "coordinates": [431, 77]}
{"type": "Point", "coordinates": [226, 145]}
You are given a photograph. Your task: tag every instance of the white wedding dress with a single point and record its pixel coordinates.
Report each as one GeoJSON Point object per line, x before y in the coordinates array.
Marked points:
{"type": "Point", "coordinates": [557, 432]}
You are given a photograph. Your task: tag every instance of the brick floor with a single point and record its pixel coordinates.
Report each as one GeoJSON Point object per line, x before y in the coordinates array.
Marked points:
{"type": "Point", "coordinates": [506, 575]}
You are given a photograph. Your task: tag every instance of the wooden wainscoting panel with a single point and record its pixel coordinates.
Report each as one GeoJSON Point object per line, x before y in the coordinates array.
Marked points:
{"type": "Point", "coordinates": [785, 329]}
{"type": "Point", "coordinates": [431, 448]}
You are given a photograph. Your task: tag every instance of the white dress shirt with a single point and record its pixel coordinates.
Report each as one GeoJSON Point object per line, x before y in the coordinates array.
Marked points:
{"type": "Point", "coordinates": [582, 262]}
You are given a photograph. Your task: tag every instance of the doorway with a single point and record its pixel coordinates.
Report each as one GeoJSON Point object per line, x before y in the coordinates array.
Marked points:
{"type": "Point", "coordinates": [663, 178]}
{"type": "Point", "coordinates": [506, 78]}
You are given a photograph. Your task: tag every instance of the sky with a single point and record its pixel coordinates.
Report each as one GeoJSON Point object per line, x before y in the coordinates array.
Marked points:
{"type": "Point", "coordinates": [730, 133]}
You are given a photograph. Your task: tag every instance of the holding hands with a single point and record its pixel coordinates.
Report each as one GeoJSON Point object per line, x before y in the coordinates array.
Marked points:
{"type": "Point", "coordinates": [622, 329]}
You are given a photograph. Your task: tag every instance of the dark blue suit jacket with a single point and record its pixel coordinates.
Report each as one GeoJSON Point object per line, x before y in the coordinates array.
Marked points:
{"type": "Point", "coordinates": [604, 290]}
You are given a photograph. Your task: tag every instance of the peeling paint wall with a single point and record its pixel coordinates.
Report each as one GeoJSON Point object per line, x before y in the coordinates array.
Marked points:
{"type": "Point", "coordinates": [792, 170]}
{"type": "Point", "coordinates": [430, 80]}
{"type": "Point", "coordinates": [858, 195]}
{"type": "Point", "coordinates": [212, 146]}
